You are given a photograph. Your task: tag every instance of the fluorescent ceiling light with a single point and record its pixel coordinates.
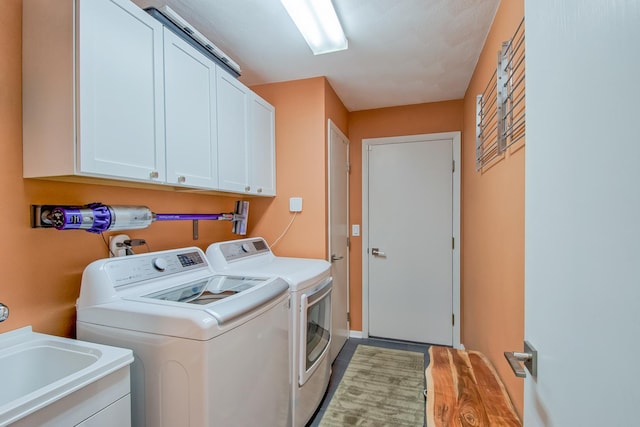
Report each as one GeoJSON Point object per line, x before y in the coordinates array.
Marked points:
{"type": "Point", "coordinates": [318, 23]}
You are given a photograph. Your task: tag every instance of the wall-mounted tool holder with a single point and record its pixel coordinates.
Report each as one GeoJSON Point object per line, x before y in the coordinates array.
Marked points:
{"type": "Point", "coordinates": [500, 108]}
{"type": "Point", "coordinates": [98, 218]}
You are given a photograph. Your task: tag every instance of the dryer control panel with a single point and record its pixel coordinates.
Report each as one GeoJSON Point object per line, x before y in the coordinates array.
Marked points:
{"type": "Point", "coordinates": [128, 270]}
{"type": "Point", "coordinates": [238, 249]}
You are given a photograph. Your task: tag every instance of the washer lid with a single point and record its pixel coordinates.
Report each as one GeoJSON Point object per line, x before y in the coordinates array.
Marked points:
{"type": "Point", "coordinates": [207, 290]}
{"type": "Point", "coordinates": [224, 297]}
{"type": "Point", "coordinates": [300, 273]}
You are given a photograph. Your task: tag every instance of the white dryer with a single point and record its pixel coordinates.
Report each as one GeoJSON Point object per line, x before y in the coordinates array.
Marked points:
{"type": "Point", "coordinates": [210, 349]}
{"type": "Point", "coordinates": [310, 289]}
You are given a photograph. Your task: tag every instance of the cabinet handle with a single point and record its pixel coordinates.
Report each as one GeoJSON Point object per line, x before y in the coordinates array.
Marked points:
{"type": "Point", "coordinates": [154, 175]}
{"type": "Point", "coordinates": [182, 179]}
{"type": "Point", "coordinates": [259, 190]}
{"type": "Point", "coordinates": [247, 188]}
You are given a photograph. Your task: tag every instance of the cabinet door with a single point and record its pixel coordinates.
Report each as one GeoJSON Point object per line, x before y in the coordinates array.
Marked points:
{"type": "Point", "coordinates": [262, 172]}
{"type": "Point", "coordinates": [232, 106]}
{"type": "Point", "coordinates": [190, 119]}
{"type": "Point", "coordinates": [116, 414]}
{"type": "Point", "coordinates": [121, 106]}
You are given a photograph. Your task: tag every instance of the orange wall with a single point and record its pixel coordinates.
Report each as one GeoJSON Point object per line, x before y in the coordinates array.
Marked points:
{"type": "Point", "coordinates": [334, 110]}
{"type": "Point", "coordinates": [42, 268]}
{"type": "Point", "coordinates": [493, 228]}
{"type": "Point", "coordinates": [299, 169]}
{"type": "Point", "coordinates": [395, 121]}
{"type": "Point", "coordinates": [302, 110]}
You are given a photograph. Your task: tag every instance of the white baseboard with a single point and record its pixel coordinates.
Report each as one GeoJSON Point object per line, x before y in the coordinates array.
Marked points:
{"type": "Point", "coordinates": [461, 346]}
{"type": "Point", "coordinates": [355, 334]}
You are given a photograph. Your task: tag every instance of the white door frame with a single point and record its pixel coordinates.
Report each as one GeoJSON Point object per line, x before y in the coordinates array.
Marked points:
{"type": "Point", "coordinates": [366, 143]}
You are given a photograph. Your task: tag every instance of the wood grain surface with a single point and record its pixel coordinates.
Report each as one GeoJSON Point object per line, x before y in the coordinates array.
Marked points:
{"type": "Point", "coordinates": [463, 390]}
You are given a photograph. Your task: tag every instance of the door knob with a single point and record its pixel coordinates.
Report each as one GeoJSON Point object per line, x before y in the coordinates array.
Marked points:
{"type": "Point", "coordinates": [4, 312]}
{"type": "Point", "coordinates": [335, 257]}
{"type": "Point", "coordinates": [378, 252]}
{"type": "Point", "coordinates": [530, 358]}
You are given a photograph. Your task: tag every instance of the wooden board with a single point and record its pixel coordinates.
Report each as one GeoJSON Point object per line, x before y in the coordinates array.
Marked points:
{"type": "Point", "coordinates": [463, 390]}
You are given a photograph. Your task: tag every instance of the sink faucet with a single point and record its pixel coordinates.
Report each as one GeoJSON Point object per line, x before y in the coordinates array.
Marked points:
{"type": "Point", "coordinates": [4, 312]}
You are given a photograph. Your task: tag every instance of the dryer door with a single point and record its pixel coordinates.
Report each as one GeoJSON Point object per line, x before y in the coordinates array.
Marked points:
{"type": "Point", "coordinates": [315, 327]}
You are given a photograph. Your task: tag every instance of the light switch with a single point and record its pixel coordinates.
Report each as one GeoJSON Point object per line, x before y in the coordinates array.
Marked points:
{"type": "Point", "coordinates": [355, 229]}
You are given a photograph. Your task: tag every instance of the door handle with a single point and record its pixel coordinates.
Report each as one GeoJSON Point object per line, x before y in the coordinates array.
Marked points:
{"type": "Point", "coordinates": [530, 358]}
{"type": "Point", "coordinates": [378, 252]}
{"type": "Point", "coordinates": [335, 257]}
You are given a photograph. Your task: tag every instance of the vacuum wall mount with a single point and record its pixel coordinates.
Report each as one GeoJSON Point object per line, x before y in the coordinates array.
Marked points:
{"type": "Point", "coordinates": [98, 218]}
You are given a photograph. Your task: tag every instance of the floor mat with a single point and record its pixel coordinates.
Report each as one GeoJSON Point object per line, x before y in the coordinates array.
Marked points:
{"type": "Point", "coordinates": [380, 387]}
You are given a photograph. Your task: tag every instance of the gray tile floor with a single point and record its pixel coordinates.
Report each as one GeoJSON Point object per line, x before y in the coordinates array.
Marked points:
{"type": "Point", "coordinates": [342, 361]}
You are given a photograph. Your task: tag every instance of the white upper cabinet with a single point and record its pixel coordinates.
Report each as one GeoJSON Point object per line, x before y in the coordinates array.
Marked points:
{"type": "Point", "coordinates": [112, 96]}
{"type": "Point", "coordinates": [262, 147]}
{"type": "Point", "coordinates": [93, 96]}
{"type": "Point", "coordinates": [233, 141]}
{"type": "Point", "coordinates": [246, 139]}
{"type": "Point", "coordinates": [190, 103]}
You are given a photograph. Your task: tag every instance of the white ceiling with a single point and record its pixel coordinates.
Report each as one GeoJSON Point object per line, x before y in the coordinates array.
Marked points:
{"type": "Point", "coordinates": [400, 52]}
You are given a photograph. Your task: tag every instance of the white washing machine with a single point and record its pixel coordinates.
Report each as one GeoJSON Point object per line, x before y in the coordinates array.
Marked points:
{"type": "Point", "coordinates": [210, 349]}
{"type": "Point", "coordinates": [310, 286]}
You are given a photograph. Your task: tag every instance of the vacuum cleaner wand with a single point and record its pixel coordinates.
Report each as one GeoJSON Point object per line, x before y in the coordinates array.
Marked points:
{"type": "Point", "coordinates": [98, 218]}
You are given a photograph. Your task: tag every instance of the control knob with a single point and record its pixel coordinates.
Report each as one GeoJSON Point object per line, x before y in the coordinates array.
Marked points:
{"type": "Point", "coordinates": [160, 264]}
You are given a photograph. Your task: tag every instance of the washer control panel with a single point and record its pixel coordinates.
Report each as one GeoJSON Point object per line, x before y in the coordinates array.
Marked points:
{"type": "Point", "coordinates": [127, 270]}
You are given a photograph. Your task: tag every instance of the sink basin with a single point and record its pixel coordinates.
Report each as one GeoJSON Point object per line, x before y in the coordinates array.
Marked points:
{"type": "Point", "coordinates": [37, 370]}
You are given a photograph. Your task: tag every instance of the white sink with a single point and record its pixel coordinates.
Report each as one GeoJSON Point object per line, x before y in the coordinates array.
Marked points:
{"type": "Point", "coordinates": [37, 370]}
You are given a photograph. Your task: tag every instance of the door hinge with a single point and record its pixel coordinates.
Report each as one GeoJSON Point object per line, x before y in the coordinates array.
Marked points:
{"type": "Point", "coordinates": [453, 319]}
{"type": "Point", "coordinates": [453, 170]}
{"type": "Point", "coordinates": [348, 317]}
{"type": "Point", "coordinates": [453, 243]}
{"type": "Point", "coordinates": [348, 243]}
{"type": "Point", "coordinates": [348, 167]}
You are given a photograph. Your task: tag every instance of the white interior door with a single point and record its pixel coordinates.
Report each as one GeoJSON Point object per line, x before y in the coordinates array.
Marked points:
{"type": "Point", "coordinates": [582, 227]}
{"type": "Point", "coordinates": [338, 236]}
{"type": "Point", "coordinates": [410, 231]}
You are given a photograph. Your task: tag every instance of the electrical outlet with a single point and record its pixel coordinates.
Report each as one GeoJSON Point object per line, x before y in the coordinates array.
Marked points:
{"type": "Point", "coordinates": [114, 249]}
{"type": "Point", "coordinates": [295, 204]}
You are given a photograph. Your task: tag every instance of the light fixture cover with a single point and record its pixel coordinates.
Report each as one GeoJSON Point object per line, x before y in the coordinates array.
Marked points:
{"type": "Point", "coordinates": [318, 23]}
